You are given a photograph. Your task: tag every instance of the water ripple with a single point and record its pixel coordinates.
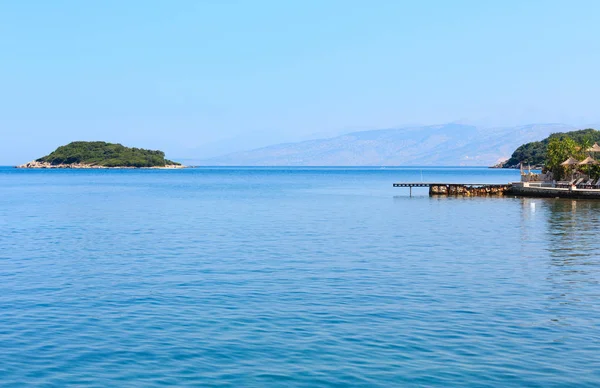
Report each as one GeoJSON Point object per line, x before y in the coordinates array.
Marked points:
{"type": "Point", "coordinates": [303, 278]}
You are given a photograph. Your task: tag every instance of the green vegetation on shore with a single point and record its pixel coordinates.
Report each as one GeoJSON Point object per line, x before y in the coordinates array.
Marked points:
{"type": "Point", "coordinates": [536, 153]}
{"type": "Point", "coordinates": [99, 153]}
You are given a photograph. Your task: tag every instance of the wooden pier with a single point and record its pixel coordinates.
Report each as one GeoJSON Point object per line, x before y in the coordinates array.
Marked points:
{"type": "Point", "coordinates": [516, 189]}
{"type": "Point", "coordinates": [463, 189]}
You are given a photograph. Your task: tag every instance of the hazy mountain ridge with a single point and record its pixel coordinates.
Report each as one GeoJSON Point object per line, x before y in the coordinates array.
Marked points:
{"type": "Point", "coordinates": [448, 144]}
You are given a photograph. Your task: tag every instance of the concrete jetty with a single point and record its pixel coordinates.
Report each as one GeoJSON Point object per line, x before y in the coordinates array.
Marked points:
{"type": "Point", "coordinates": [550, 190]}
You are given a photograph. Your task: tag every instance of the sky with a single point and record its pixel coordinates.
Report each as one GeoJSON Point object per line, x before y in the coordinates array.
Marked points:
{"type": "Point", "coordinates": [200, 78]}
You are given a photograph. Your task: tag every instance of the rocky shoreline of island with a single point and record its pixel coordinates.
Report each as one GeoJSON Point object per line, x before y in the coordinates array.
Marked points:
{"type": "Point", "coordinates": [45, 165]}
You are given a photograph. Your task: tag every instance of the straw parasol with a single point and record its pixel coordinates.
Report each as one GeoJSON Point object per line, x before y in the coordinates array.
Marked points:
{"type": "Point", "coordinates": [587, 161]}
{"type": "Point", "coordinates": [570, 162]}
{"type": "Point", "coordinates": [594, 148]}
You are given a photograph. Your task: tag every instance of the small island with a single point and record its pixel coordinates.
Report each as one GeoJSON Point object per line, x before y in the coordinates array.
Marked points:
{"type": "Point", "coordinates": [99, 154]}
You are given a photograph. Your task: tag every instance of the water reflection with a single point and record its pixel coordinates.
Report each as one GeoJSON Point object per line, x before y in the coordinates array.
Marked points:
{"type": "Point", "coordinates": [566, 232]}
{"type": "Point", "coordinates": [572, 227]}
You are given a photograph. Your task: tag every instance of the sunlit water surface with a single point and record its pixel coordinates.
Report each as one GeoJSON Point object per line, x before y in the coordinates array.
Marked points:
{"type": "Point", "coordinates": [292, 277]}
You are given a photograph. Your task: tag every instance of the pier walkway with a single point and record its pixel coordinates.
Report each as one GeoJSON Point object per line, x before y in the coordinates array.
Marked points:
{"type": "Point", "coordinates": [467, 189]}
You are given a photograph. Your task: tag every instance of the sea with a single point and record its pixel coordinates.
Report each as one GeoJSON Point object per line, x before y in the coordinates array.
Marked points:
{"type": "Point", "coordinates": [293, 277]}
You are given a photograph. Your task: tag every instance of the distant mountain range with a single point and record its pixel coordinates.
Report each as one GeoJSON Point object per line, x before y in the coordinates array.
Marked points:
{"type": "Point", "coordinates": [450, 144]}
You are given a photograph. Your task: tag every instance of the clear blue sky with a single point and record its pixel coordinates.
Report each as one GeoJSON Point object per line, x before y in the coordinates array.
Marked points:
{"type": "Point", "coordinates": [197, 77]}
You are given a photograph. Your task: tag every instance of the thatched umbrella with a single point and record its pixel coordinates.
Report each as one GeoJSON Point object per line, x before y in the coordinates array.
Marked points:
{"type": "Point", "coordinates": [570, 162]}
{"type": "Point", "coordinates": [594, 148]}
{"type": "Point", "coordinates": [587, 161]}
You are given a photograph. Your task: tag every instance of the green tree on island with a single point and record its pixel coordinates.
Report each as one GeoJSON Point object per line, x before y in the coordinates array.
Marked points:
{"type": "Point", "coordinates": [560, 149]}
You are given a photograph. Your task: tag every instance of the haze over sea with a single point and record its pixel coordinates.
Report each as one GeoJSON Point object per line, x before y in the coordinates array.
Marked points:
{"type": "Point", "coordinates": [292, 277]}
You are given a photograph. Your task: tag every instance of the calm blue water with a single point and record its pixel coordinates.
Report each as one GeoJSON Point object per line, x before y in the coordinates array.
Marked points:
{"type": "Point", "coordinates": [292, 277]}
